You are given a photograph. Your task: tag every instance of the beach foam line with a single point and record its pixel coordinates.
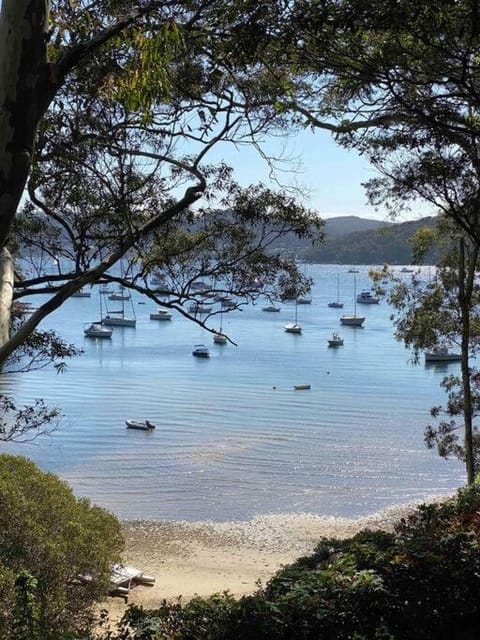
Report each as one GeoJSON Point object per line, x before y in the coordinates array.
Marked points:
{"type": "Point", "coordinates": [288, 532]}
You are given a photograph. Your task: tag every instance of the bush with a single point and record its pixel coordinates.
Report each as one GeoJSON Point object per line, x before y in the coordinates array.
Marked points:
{"type": "Point", "coordinates": [421, 581]}
{"type": "Point", "coordinates": [47, 539]}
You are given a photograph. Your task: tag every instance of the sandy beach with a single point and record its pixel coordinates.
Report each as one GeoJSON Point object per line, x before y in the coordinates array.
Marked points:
{"type": "Point", "coordinates": [206, 557]}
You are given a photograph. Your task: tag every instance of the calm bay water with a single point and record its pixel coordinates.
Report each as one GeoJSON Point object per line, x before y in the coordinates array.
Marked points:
{"type": "Point", "coordinates": [233, 437]}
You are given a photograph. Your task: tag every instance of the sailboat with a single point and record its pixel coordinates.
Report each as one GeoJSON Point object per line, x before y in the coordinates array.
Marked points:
{"type": "Point", "coordinates": [337, 304]}
{"type": "Point", "coordinates": [116, 318]}
{"type": "Point", "coordinates": [96, 329]}
{"type": "Point", "coordinates": [353, 320]}
{"type": "Point", "coordinates": [119, 320]}
{"type": "Point", "coordinates": [120, 294]}
{"type": "Point", "coordinates": [293, 327]}
{"type": "Point", "coordinates": [219, 337]}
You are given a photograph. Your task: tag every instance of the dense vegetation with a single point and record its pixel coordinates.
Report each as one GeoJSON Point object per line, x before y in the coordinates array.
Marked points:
{"type": "Point", "coordinates": [420, 581]}
{"type": "Point", "coordinates": [48, 538]}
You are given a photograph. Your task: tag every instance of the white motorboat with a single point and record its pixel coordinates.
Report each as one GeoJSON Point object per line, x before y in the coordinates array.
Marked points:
{"type": "Point", "coordinates": [200, 351]}
{"type": "Point", "coordinates": [335, 340]}
{"type": "Point", "coordinates": [352, 320]}
{"type": "Point", "coordinates": [442, 354]}
{"type": "Point", "coordinates": [161, 314]}
{"type": "Point", "coordinates": [271, 309]}
{"type": "Point", "coordinates": [96, 330]}
{"type": "Point", "coordinates": [141, 425]}
{"type": "Point", "coordinates": [366, 297]}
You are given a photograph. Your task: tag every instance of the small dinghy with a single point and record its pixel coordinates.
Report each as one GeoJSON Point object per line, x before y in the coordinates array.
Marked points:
{"type": "Point", "coordinates": [142, 425]}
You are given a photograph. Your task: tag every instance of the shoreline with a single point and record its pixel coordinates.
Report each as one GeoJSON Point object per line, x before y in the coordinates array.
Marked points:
{"type": "Point", "coordinates": [202, 558]}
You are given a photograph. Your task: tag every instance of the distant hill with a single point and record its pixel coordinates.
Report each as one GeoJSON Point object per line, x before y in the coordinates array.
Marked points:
{"type": "Point", "coordinates": [352, 240]}
{"type": "Point", "coordinates": [351, 224]}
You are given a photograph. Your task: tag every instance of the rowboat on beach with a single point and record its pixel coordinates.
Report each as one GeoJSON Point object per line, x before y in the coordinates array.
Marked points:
{"type": "Point", "coordinates": [123, 578]}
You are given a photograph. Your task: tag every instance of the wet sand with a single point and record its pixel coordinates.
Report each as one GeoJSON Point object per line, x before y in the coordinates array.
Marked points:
{"type": "Point", "coordinates": [202, 558]}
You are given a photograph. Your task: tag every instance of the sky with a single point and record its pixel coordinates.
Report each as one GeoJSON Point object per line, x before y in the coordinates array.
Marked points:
{"type": "Point", "coordinates": [330, 175]}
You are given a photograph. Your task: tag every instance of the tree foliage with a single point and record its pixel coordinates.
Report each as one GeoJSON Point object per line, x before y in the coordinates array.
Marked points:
{"type": "Point", "coordinates": [48, 538]}
{"type": "Point", "coordinates": [440, 310]}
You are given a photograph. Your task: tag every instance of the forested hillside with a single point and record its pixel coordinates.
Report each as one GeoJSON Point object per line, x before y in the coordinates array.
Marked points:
{"type": "Point", "coordinates": [381, 242]}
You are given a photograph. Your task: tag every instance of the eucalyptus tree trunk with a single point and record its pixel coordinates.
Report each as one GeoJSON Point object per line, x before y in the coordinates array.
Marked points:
{"type": "Point", "coordinates": [465, 281]}
{"type": "Point", "coordinates": [24, 90]}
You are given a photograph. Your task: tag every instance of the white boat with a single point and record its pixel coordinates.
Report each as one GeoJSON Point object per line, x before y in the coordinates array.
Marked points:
{"type": "Point", "coordinates": [81, 294]}
{"type": "Point", "coordinates": [114, 321]}
{"type": "Point", "coordinates": [301, 387]}
{"type": "Point", "coordinates": [219, 337]}
{"type": "Point", "coordinates": [161, 314]}
{"type": "Point", "coordinates": [196, 307]}
{"type": "Point", "coordinates": [352, 320]}
{"type": "Point", "coordinates": [119, 295]}
{"type": "Point", "coordinates": [116, 318]}
{"type": "Point", "coordinates": [271, 309]}
{"type": "Point", "coordinates": [442, 354]}
{"type": "Point", "coordinates": [335, 340]}
{"type": "Point", "coordinates": [366, 297]}
{"type": "Point", "coordinates": [337, 304]}
{"type": "Point", "coordinates": [96, 330]}
{"type": "Point", "coordinates": [293, 327]}
{"type": "Point", "coordinates": [141, 425]}
{"type": "Point", "coordinates": [304, 301]}
{"type": "Point", "coordinates": [200, 351]}
{"type": "Point", "coordinates": [407, 270]}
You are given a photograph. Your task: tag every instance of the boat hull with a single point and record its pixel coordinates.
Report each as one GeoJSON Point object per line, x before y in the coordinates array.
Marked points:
{"type": "Point", "coordinates": [98, 332]}
{"type": "Point", "coordinates": [446, 357]}
{"type": "Point", "coordinates": [352, 321]}
{"type": "Point", "coordinates": [139, 425]}
{"type": "Point", "coordinates": [118, 322]}
{"type": "Point", "coordinates": [293, 328]}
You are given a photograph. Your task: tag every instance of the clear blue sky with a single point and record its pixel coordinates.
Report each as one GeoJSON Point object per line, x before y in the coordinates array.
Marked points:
{"type": "Point", "coordinates": [331, 176]}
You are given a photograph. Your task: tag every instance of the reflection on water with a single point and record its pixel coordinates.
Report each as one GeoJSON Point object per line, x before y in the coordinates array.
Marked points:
{"type": "Point", "coordinates": [233, 437]}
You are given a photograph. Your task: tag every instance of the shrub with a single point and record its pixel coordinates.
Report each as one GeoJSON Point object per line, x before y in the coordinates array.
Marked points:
{"type": "Point", "coordinates": [48, 538]}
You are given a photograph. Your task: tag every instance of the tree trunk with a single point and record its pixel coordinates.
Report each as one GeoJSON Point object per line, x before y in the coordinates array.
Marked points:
{"type": "Point", "coordinates": [24, 82]}
{"type": "Point", "coordinates": [465, 282]}
{"type": "Point", "coordinates": [6, 293]}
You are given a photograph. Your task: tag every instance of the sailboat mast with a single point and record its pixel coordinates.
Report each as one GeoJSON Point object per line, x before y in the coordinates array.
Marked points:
{"type": "Point", "coordinates": [354, 295]}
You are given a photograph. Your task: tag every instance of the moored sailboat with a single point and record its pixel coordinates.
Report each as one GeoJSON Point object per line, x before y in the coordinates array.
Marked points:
{"type": "Point", "coordinates": [352, 320]}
